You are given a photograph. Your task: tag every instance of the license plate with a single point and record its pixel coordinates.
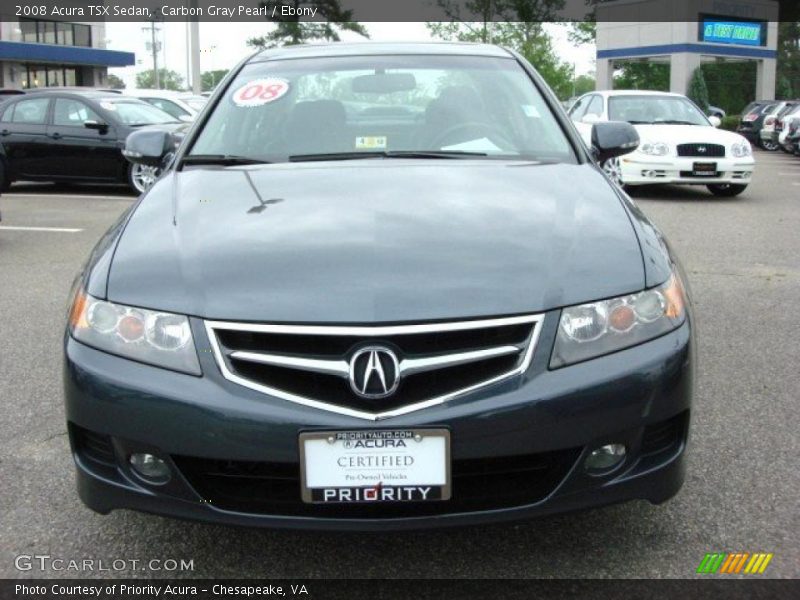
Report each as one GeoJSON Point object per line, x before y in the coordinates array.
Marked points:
{"type": "Point", "coordinates": [704, 169]}
{"type": "Point", "coordinates": [398, 465]}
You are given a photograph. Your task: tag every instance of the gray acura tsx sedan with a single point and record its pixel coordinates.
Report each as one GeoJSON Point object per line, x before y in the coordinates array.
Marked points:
{"type": "Point", "coordinates": [379, 286]}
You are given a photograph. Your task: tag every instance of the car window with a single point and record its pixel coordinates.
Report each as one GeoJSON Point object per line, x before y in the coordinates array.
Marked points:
{"type": "Point", "coordinates": [579, 108]}
{"type": "Point", "coordinates": [281, 108]}
{"type": "Point", "coordinates": [168, 106]}
{"type": "Point", "coordinates": [655, 109]}
{"type": "Point", "coordinates": [32, 112]}
{"type": "Point", "coordinates": [73, 113]}
{"type": "Point", "coordinates": [595, 106]}
{"type": "Point", "coordinates": [6, 112]}
{"type": "Point", "coordinates": [136, 112]}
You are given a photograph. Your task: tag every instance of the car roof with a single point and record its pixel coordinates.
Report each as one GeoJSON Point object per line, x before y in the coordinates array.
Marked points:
{"type": "Point", "coordinates": [380, 48]}
{"type": "Point", "coordinates": [95, 95]}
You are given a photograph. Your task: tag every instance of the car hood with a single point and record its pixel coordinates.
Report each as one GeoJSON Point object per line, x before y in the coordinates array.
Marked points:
{"type": "Point", "coordinates": [687, 134]}
{"type": "Point", "coordinates": [376, 241]}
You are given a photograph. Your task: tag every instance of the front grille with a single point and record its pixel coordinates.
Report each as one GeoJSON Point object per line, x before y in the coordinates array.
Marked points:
{"type": "Point", "coordinates": [311, 364]}
{"type": "Point", "coordinates": [701, 150]}
{"type": "Point", "coordinates": [478, 484]}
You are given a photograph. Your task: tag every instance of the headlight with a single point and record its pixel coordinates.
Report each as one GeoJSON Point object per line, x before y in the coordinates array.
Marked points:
{"type": "Point", "coordinates": [591, 330]}
{"type": "Point", "coordinates": [654, 149]}
{"type": "Point", "coordinates": [154, 337]}
{"type": "Point", "coordinates": [741, 149]}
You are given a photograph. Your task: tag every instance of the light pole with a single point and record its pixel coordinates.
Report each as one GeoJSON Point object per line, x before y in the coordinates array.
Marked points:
{"type": "Point", "coordinates": [154, 47]}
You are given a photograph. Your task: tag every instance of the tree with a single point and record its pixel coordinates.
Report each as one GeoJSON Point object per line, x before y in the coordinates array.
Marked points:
{"type": "Point", "coordinates": [583, 84]}
{"type": "Point", "coordinates": [521, 28]}
{"type": "Point", "coordinates": [210, 79]}
{"type": "Point", "coordinates": [788, 69]}
{"type": "Point", "coordinates": [290, 31]}
{"type": "Point", "coordinates": [698, 92]}
{"type": "Point", "coordinates": [170, 80]}
{"type": "Point", "coordinates": [643, 76]}
{"type": "Point", "coordinates": [114, 82]}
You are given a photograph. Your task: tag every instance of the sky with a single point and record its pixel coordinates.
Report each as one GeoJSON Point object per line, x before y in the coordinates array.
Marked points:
{"type": "Point", "coordinates": [222, 45]}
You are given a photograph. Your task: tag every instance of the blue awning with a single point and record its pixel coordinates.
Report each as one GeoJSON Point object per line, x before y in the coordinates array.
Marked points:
{"type": "Point", "coordinates": [75, 55]}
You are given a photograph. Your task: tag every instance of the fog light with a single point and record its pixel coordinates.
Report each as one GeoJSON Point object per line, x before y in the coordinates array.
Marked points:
{"type": "Point", "coordinates": [605, 457]}
{"type": "Point", "coordinates": [150, 467]}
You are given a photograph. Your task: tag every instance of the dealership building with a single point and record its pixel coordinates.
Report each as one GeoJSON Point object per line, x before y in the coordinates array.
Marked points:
{"type": "Point", "coordinates": [44, 53]}
{"type": "Point", "coordinates": [687, 33]}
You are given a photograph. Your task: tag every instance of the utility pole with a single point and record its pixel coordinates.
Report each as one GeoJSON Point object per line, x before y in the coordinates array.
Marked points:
{"type": "Point", "coordinates": [154, 48]}
{"type": "Point", "coordinates": [195, 51]}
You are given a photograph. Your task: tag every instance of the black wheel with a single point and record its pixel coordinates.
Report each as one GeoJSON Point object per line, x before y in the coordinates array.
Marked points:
{"type": "Point", "coordinates": [4, 182]}
{"type": "Point", "coordinates": [726, 190]}
{"type": "Point", "coordinates": [768, 145]}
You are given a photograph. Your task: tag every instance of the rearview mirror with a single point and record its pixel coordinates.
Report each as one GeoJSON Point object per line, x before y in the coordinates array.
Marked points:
{"type": "Point", "coordinates": [715, 120]}
{"type": "Point", "coordinates": [384, 83]}
{"type": "Point", "coordinates": [613, 138]}
{"type": "Point", "coordinates": [98, 125]}
{"type": "Point", "coordinates": [148, 147]}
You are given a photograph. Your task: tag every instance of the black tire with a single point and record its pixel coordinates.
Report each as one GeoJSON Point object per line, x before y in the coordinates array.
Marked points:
{"type": "Point", "coordinates": [4, 182]}
{"type": "Point", "coordinates": [726, 190]}
{"type": "Point", "coordinates": [768, 145]}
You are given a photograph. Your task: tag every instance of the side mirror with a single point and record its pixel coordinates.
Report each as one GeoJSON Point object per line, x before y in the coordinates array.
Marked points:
{"type": "Point", "coordinates": [590, 119]}
{"type": "Point", "coordinates": [148, 147]}
{"type": "Point", "coordinates": [97, 125]}
{"type": "Point", "coordinates": [186, 118]}
{"type": "Point", "coordinates": [613, 138]}
{"type": "Point", "coordinates": [715, 120]}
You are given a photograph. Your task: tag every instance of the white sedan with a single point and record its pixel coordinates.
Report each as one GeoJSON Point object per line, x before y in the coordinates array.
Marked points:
{"type": "Point", "coordinates": [679, 144]}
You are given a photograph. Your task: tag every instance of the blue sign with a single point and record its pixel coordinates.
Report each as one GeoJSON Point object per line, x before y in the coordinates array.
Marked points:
{"type": "Point", "coordinates": [732, 32]}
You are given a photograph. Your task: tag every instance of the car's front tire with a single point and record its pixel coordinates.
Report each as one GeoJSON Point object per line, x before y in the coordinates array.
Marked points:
{"type": "Point", "coordinates": [768, 145]}
{"type": "Point", "coordinates": [726, 190]}
{"type": "Point", "coordinates": [141, 177]}
{"type": "Point", "coordinates": [613, 169]}
{"type": "Point", "coordinates": [4, 181]}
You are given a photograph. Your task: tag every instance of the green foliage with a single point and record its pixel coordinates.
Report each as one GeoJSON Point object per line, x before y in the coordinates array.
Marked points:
{"type": "Point", "coordinates": [730, 122]}
{"type": "Point", "coordinates": [522, 30]}
{"type": "Point", "coordinates": [643, 76]}
{"type": "Point", "coordinates": [582, 32]}
{"type": "Point", "coordinates": [210, 79]}
{"type": "Point", "coordinates": [290, 31]}
{"type": "Point", "coordinates": [584, 84]}
{"type": "Point", "coordinates": [730, 85]}
{"type": "Point", "coordinates": [698, 92]}
{"type": "Point", "coordinates": [168, 80]}
{"type": "Point", "coordinates": [114, 82]}
{"type": "Point", "coordinates": [788, 77]}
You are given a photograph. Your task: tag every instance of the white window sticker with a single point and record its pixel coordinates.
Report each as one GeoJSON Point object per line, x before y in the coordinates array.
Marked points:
{"type": "Point", "coordinates": [530, 111]}
{"type": "Point", "coordinates": [371, 142]}
{"type": "Point", "coordinates": [260, 91]}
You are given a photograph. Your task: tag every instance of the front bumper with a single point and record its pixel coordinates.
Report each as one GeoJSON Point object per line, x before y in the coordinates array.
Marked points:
{"type": "Point", "coordinates": [627, 397]}
{"type": "Point", "coordinates": [644, 170]}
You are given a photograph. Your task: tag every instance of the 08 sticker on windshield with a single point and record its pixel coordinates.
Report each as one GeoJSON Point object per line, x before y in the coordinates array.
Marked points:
{"type": "Point", "coordinates": [260, 91]}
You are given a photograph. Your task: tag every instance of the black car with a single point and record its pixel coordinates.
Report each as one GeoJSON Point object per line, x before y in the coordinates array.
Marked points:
{"type": "Point", "coordinates": [76, 136]}
{"type": "Point", "coordinates": [380, 286]}
{"type": "Point", "coordinates": [752, 119]}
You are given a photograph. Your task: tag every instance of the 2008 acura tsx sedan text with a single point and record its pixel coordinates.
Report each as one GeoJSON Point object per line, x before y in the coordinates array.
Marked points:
{"type": "Point", "coordinates": [379, 286]}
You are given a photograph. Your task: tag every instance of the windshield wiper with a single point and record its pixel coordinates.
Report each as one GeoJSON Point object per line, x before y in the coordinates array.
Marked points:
{"type": "Point", "coordinates": [673, 122]}
{"type": "Point", "coordinates": [227, 160]}
{"type": "Point", "coordinates": [384, 154]}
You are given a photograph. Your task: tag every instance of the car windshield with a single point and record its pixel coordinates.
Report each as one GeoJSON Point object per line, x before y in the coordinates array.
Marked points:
{"type": "Point", "coordinates": [343, 107]}
{"type": "Point", "coordinates": [135, 113]}
{"type": "Point", "coordinates": [196, 102]}
{"type": "Point", "coordinates": [654, 109]}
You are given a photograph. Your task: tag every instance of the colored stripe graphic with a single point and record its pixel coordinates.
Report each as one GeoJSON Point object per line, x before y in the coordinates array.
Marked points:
{"type": "Point", "coordinates": [734, 563]}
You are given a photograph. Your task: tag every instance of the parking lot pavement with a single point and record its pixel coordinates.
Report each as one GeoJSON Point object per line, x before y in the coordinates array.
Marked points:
{"type": "Point", "coordinates": [741, 494]}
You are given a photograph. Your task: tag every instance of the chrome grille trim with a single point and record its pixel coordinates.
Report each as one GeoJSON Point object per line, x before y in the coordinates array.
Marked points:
{"type": "Point", "coordinates": [336, 367]}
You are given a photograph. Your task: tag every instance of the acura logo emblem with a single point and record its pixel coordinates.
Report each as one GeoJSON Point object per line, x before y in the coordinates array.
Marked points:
{"type": "Point", "coordinates": [374, 372]}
